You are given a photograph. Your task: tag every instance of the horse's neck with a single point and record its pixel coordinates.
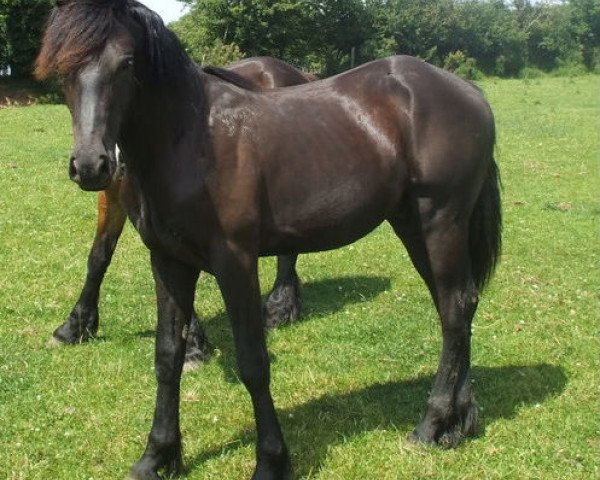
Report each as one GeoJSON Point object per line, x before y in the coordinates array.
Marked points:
{"type": "Point", "coordinates": [160, 119]}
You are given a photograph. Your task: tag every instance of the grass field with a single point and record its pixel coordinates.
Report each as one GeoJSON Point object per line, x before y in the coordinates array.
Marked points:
{"type": "Point", "coordinates": [351, 379]}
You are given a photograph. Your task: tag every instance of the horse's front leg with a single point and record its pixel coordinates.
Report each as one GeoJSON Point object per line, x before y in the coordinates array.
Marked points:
{"type": "Point", "coordinates": [284, 303]}
{"type": "Point", "coordinates": [175, 283]}
{"type": "Point", "coordinates": [82, 323]}
{"type": "Point", "coordinates": [238, 279]}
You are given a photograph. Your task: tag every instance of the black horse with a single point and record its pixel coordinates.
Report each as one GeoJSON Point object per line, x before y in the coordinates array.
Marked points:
{"type": "Point", "coordinates": [283, 303]}
{"type": "Point", "coordinates": [220, 175]}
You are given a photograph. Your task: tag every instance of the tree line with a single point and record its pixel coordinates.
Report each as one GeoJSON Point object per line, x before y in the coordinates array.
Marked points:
{"type": "Point", "coordinates": [471, 37]}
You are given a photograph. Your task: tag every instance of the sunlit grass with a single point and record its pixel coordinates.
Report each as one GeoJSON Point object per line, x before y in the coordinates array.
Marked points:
{"type": "Point", "coordinates": [350, 380]}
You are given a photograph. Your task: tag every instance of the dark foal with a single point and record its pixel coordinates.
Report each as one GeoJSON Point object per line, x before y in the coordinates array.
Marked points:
{"type": "Point", "coordinates": [283, 303]}
{"type": "Point", "coordinates": [218, 175]}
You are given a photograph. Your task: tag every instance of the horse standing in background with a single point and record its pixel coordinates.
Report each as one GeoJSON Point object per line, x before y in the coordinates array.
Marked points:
{"type": "Point", "coordinates": [283, 303]}
{"type": "Point", "coordinates": [216, 172]}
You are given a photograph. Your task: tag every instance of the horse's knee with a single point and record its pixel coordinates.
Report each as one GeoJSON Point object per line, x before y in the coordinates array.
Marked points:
{"type": "Point", "coordinates": [254, 371]}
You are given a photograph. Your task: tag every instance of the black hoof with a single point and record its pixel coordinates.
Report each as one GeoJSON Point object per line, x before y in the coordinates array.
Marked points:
{"type": "Point", "coordinates": [448, 434]}
{"type": "Point", "coordinates": [139, 475]}
{"type": "Point", "coordinates": [146, 469]}
{"type": "Point", "coordinates": [198, 349]}
{"type": "Point", "coordinates": [283, 305]}
{"type": "Point", "coordinates": [81, 326]}
{"type": "Point", "coordinates": [196, 356]}
{"type": "Point", "coordinates": [263, 472]}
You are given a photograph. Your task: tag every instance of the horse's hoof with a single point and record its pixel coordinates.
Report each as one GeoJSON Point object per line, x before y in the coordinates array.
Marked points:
{"type": "Point", "coordinates": [80, 327]}
{"type": "Point", "coordinates": [415, 438]}
{"type": "Point", "coordinates": [263, 474]}
{"type": "Point", "coordinates": [137, 473]}
{"type": "Point", "coordinates": [196, 356]}
{"type": "Point", "coordinates": [190, 366]}
{"type": "Point", "coordinates": [283, 306]}
{"type": "Point", "coordinates": [448, 435]}
{"type": "Point", "coordinates": [149, 476]}
{"type": "Point", "coordinates": [54, 342]}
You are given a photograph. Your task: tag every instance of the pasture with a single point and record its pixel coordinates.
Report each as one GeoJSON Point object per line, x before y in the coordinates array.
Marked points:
{"type": "Point", "coordinates": [351, 378]}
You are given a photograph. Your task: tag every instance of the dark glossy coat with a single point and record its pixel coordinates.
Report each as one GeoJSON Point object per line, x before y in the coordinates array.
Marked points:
{"type": "Point", "coordinates": [283, 303]}
{"type": "Point", "coordinates": [221, 174]}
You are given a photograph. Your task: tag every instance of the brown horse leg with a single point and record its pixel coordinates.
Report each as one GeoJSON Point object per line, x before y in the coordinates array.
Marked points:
{"type": "Point", "coordinates": [175, 285]}
{"type": "Point", "coordinates": [238, 280]}
{"type": "Point", "coordinates": [438, 248]}
{"type": "Point", "coordinates": [285, 300]}
{"type": "Point", "coordinates": [82, 322]}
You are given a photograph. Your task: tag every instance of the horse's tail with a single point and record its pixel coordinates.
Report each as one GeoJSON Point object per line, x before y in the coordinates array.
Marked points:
{"type": "Point", "coordinates": [485, 228]}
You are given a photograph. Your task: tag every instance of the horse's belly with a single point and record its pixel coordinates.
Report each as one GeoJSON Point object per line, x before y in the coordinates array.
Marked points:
{"type": "Point", "coordinates": [327, 219]}
{"type": "Point", "coordinates": [316, 240]}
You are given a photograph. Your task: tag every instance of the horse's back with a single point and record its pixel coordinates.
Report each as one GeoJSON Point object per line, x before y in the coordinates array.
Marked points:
{"type": "Point", "coordinates": [269, 72]}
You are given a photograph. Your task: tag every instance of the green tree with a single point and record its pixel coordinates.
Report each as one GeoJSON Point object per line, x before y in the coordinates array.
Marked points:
{"type": "Point", "coordinates": [343, 29]}
{"type": "Point", "coordinates": [489, 32]}
{"type": "Point", "coordinates": [549, 34]}
{"type": "Point", "coordinates": [496, 36]}
{"type": "Point", "coordinates": [585, 18]}
{"type": "Point", "coordinates": [311, 34]}
{"type": "Point", "coordinates": [202, 47]}
{"type": "Point", "coordinates": [4, 51]}
{"type": "Point", "coordinates": [266, 27]}
{"type": "Point", "coordinates": [24, 24]}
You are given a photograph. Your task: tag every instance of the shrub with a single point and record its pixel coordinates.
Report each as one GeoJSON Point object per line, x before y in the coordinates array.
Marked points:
{"type": "Point", "coordinates": [530, 73]}
{"type": "Point", "coordinates": [463, 66]}
{"type": "Point", "coordinates": [218, 53]}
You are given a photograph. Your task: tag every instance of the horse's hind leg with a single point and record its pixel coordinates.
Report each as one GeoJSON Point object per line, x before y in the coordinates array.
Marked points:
{"type": "Point", "coordinates": [285, 301]}
{"type": "Point", "coordinates": [82, 323]}
{"type": "Point", "coordinates": [437, 242]}
{"type": "Point", "coordinates": [197, 348]}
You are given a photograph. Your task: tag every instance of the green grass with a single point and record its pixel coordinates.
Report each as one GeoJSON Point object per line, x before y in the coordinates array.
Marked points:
{"type": "Point", "coordinates": [351, 379]}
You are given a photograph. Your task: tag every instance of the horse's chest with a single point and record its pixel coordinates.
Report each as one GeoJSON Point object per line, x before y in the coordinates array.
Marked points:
{"type": "Point", "coordinates": [170, 231]}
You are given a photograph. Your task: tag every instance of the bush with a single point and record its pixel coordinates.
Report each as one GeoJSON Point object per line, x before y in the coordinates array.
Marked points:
{"type": "Point", "coordinates": [569, 69]}
{"type": "Point", "coordinates": [217, 54]}
{"type": "Point", "coordinates": [530, 73]}
{"type": "Point", "coordinates": [463, 66]}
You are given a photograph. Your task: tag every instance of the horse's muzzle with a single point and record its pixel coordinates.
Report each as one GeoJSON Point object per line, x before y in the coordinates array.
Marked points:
{"type": "Point", "coordinates": [92, 174]}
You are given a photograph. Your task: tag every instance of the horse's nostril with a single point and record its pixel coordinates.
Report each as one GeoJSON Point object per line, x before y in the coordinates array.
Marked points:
{"type": "Point", "coordinates": [104, 168]}
{"type": "Point", "coordinates": [72, 168]}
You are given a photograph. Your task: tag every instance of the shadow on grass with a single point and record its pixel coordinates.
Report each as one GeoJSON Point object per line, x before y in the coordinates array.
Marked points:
{"type": "Point", "coordinates": [313, 427]}
{"type": "Point", "coordinates": [321, 298]}
{"type": "Point", "coordinates": [331, 295]}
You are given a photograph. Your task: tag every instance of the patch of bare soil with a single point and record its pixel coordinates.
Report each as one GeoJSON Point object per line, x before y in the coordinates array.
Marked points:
{"type": "Point", "coordinates": [16, 97]}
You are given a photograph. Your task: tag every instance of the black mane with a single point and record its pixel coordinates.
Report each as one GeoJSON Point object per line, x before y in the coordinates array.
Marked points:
{"type": "Point", "coordinates": [77, 30]}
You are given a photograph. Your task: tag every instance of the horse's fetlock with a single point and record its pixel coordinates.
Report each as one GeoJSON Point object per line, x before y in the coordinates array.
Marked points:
{"type": "Point", "coordinates": [272, 448]}
{"type": "Point", "coordinates": [439, 409]}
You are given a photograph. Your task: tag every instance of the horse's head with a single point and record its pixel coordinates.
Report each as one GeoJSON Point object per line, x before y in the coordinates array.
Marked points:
{"type": "Point", "coordinates": [93, 53]}
{"type": "Point", "coordinates": [101, 50]}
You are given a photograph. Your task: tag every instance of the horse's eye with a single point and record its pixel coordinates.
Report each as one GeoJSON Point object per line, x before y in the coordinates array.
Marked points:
{"type": "Point", "coordinates": [126, 64]}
